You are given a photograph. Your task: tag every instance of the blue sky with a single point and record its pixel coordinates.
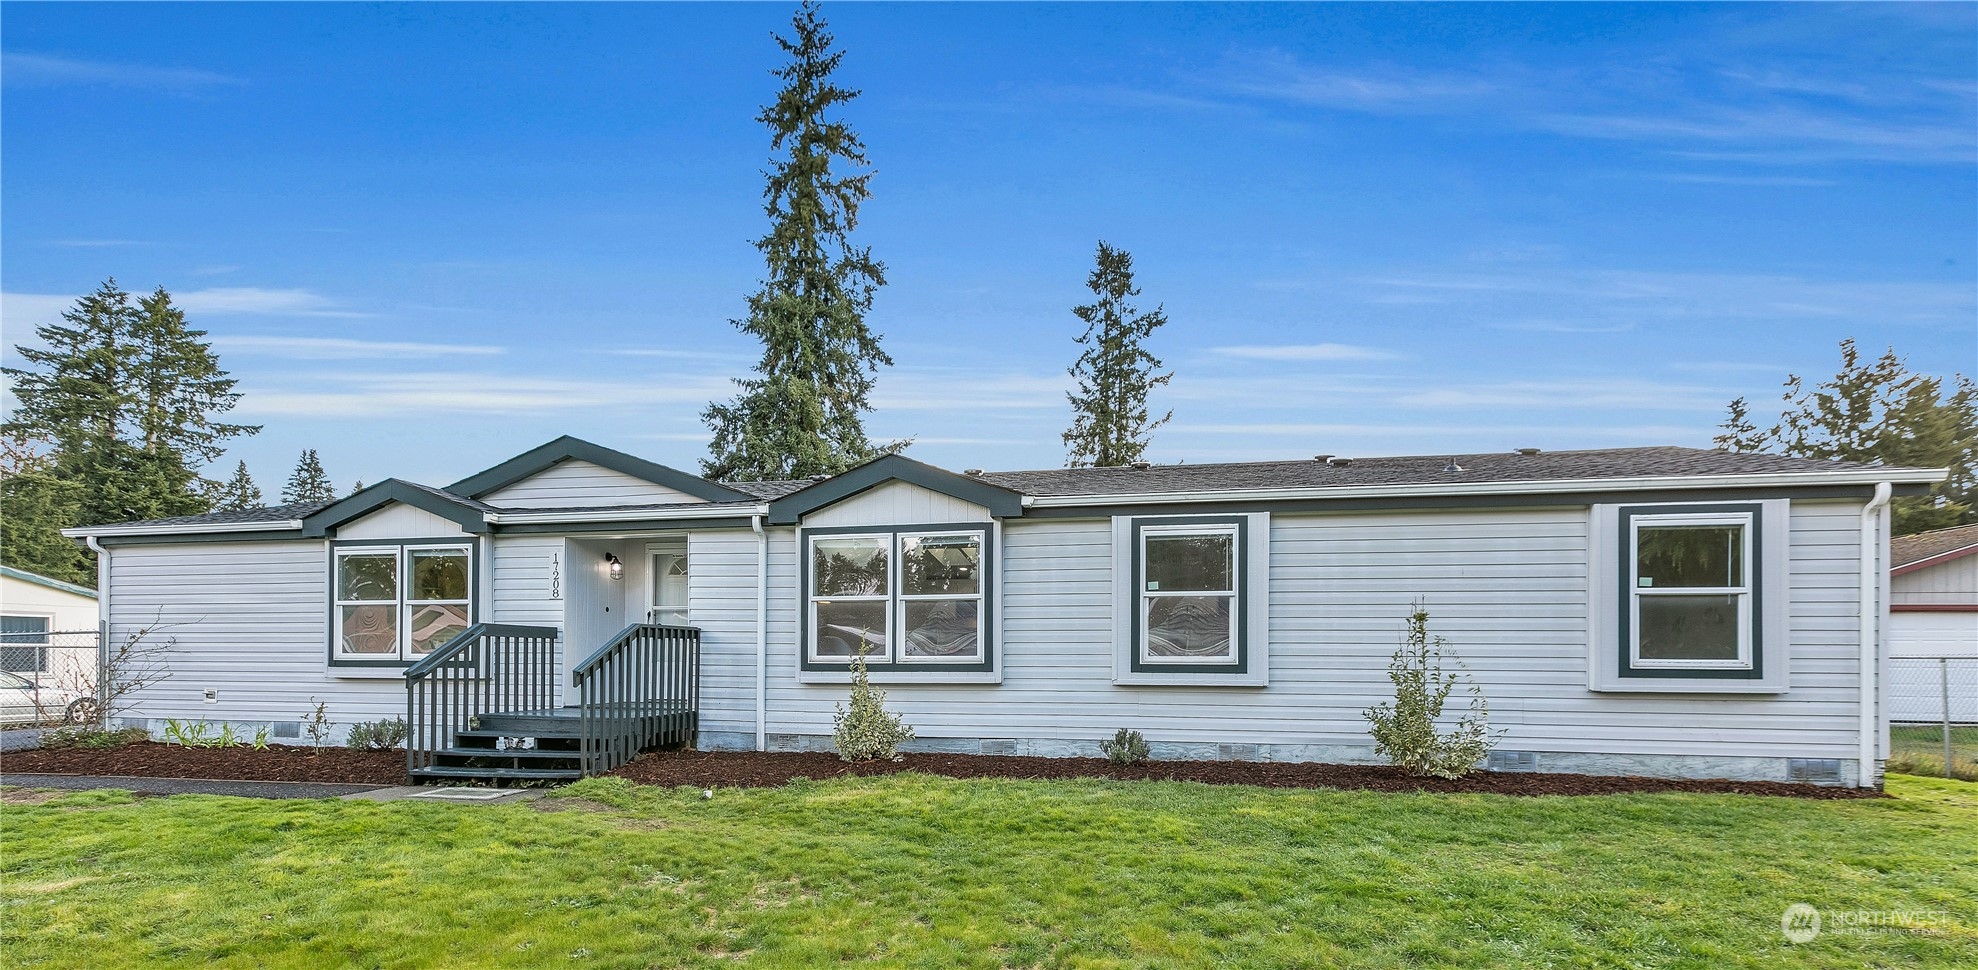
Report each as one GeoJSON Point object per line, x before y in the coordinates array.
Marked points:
{"type": "Point", "coordinates": [428, 237]}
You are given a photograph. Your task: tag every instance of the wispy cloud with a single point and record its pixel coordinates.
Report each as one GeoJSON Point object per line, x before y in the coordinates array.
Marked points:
{"type": "Point", "coordinates": [337, 348]}
{"type": "Point", "coordinates": [1574, 393]}
{"type": "Point", "coordinates": [961, 389]}
{"type": "Point", "coordinates": [1554, 326]}
{"type": "Point", "coordinates": [1382, 89]}
{"type": "Point", "coordinates": [671, 354]}
{"type": "Point", "coordinates": [20, 312]}
{"type": "Point", "coordinates": [367, 395]}
{"type": "Point", "coordinates": [254, 299]}
{"type": "Point", "coordinates": [1595, 297]}
{"type": "Point", "coordinates": [1780, 181]}
{"type": "Point", "coordinates": [1304, 352]}
{"type": "Point", "coordinates": [41, 70]}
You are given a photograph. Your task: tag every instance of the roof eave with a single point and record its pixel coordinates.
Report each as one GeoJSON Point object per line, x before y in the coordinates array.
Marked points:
{"type": "Point", "coordinates": [183, 529]}
{"type": "Point", "coordinates": [1906, 476]}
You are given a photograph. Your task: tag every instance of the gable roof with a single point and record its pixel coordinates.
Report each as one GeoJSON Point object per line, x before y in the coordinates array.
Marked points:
{"type": "Point", "coordinates": [471, 515]}
{"type": "Point", "coordinates": [1925, 549]}
{"type": "Point", "coordinates": [567, 448]}
{"type": "Point", "coordinates": [1001, 500]}
{"type": "Point", "coordinates": [40, 580]}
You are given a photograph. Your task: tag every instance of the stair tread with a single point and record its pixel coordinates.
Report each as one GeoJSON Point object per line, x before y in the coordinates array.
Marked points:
{"type": "Point", "coordinates": [510, 753]}
{"type": "Point", "coordinates": [561, 735]}
{"type": "Point", "coordinates": [456, 771]}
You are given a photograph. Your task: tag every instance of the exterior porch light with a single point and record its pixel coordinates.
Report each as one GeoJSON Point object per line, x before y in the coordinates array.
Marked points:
{"type": "Point", "coordinates": [617, 568]}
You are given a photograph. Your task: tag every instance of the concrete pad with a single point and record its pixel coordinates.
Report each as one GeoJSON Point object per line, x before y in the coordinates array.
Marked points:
{"type": "Point", "coordinates": [458, 795]}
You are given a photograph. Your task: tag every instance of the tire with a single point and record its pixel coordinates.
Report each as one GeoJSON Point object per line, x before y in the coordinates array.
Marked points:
{"type": "Point", "coordinates": [80, 711]}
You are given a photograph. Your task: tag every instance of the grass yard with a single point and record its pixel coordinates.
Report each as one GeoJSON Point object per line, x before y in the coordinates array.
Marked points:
{"type": "Point", "coordinates": [911, 870]}
{"type": "Point", "coordinates": [1919, 750]}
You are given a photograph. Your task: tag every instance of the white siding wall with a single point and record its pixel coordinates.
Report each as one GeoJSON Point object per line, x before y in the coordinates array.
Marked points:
{"type": "Point", "coordinates": [246, 620]}
{"type": "Point", "coordinates": [1954, 583]}
{"type": "Point", "coordinates": [575, 484]}
{"type": "Point", "coordinates": [897, 503]}
{"type": "Point", "coordinates": [1507, 588]}
{"type": "Point", "coordinates": [397, 521]}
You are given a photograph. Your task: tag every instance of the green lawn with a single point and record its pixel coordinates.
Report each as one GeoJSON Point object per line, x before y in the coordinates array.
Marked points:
{"type": "Point", "coordinates": [1919, 750]}
{"type": "Point", "coordinates": [909, 870]}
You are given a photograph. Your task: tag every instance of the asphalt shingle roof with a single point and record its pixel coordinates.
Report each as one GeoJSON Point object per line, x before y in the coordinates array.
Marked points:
{"type": "Point", "coordinates": [1904, 550]}
{"type": "Point", "coordinates": [264, 513]}
{"type": "Point", "coordinates": [1414, 470]}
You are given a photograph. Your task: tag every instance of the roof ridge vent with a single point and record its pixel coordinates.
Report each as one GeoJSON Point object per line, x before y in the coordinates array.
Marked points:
{"type": "Point", "coordinates": [1528, 452]}
{"type": "Point", "coordinates": [1338, 462]}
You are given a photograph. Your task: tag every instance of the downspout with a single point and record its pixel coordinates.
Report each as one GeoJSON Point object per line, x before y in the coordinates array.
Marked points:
{"type": "Point", "coordinates": [761, 633]}
{"type": "Point", "coordinates": [1872, 571]}
{"type": "Point", "coordinates": [102, 632]}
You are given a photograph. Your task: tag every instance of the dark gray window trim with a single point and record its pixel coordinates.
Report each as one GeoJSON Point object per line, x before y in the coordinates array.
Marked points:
{"type": "Point", "coordinates": [1241, 621]}
{"type": "Point", "coordinates": [1001, 502]}
{"type": "Point", "coordinates": [988, 662]}
{"type": "Point", "coordinates": [1625, 517]}
{"type": "Point", "coordinates": [325, 521]}
{"type": "Point", "coordinates": [330, 594]}
{"type": "Point", "coordinates": [1548, 500]}
{"type": "Point", "coordinates": [567, 448]}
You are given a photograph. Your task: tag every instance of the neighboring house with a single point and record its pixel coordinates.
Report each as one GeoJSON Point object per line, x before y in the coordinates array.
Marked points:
{"type": "Point", "coordinates": [47, 629]}
{"type": "Point", "coordinates": [1933, 602]}
{"type": "Point", "coordinates": [1660, 611]}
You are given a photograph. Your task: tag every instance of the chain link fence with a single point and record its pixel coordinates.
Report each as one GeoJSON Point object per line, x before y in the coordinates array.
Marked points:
{"type": "Point", "coordinates": [1933, 716]}
{"type": "Point", "coordinates": [48, 677]}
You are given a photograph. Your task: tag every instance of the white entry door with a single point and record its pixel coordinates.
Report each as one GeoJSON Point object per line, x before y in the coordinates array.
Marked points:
{"type": "Point", "coordinates": [669, 588]}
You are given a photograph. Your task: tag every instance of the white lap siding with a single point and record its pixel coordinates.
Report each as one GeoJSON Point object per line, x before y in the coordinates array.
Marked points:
{"type": "Point", "coordinates": [1507, 588]}
{"type": "Point", "coordinates": [246, 620]}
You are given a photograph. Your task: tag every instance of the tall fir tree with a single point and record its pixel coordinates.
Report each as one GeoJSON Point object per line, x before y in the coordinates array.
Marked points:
{"type": "Point", "coordinates": [1111, 424]}
{"type": "Point", "coordinates": [128, 399]}
{"type": "Point", "coordinates": [238, 493]}
{"type": "Point", "coordinates": [1879, 412]}
{"type": "Point", "coordinates": [308, 483]}
{"type": "Point", "coordinates": [803, 412]}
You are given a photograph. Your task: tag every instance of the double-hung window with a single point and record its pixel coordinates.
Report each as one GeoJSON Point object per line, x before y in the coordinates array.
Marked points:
{"type": "Point", "coordinates": [900, 598]}
{"type": "Point", "coordinates": [1191, 601]}
{"type": "Point", "coordinates": [1690, 595]}
{"type": "Point", "coordinates": [397, 603]}
{"type": "Point", "coordinates": [24, 643]}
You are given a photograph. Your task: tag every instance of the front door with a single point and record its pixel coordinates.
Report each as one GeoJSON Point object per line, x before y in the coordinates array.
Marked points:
{"type": "Point", "coordinates": [669, 588]}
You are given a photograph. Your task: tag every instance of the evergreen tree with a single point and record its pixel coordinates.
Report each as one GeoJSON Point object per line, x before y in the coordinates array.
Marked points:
{"type": "Point", "coordinates": [126, 397]}
{"type": "Point", "coordinates": [308, 483]}
{"type": "Point", "coordinates": [1879, 412]}
{"type": "Point", "coordinates": [802, 414]}
{"type": "Point", "coordinates": [38, 506]}
{"type": "Point", "coordinates": [1110, 420]}
{"type": "Point", "coordinates": [358, 487]}
{"type": "Point", "coordinates": [237, 493]}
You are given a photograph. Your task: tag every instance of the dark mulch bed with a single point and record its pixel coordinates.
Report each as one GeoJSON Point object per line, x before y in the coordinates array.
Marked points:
{"type": "Point", "coordinates": [751, 769]}
{"type": "Point", "coordinates": [150, 759]}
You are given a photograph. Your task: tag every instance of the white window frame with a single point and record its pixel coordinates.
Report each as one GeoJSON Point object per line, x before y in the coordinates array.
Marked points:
{"type": "Point", "coordinates": [1636, 591]}
{"type": "Point", "coordinates": [1145, 597]}
{"type": "Point", "coordinates": [899, 588]}
{"type": "Point", "coordinates": [402, 604]}
{"type": "Point", "coordinates": [814, 598]}
{"type": "Point", "coordinates": [408, 605]}
{"type": "Point", "coordinates": [46, 643]}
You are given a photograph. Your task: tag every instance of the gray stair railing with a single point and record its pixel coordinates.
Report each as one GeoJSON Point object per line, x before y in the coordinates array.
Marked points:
{"type": "Point", "coordinates": [490, 668]}
{"type": "Point", "coordinates": [639, 690]}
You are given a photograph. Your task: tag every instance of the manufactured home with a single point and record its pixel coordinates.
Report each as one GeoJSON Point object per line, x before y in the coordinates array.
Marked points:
{"type": "Point", "coordinates": [1647, 611]}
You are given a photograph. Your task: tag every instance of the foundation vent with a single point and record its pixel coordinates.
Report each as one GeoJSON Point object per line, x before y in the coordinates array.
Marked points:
{"type": "Point", "coordinates": [1512, 761]}
{"type": "Point", "coordinates": [1817, 771]}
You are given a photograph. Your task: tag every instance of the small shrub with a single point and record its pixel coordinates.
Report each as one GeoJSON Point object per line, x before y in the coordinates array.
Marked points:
{"type": "Point", "coordinates": [194, 734]}
{"type": "Point", "coordinates": [1126, 748]}
{"type": "Point", "coordinates": [378, 735]}
{"type": "Point", "coordinates": [866, 731]}
{"type": "Point", "coordinates": [80, 737]}
{"type": "Point", "coordinates": [1404, 730]}
{"type": "Point", "coordinates": [317, 725]}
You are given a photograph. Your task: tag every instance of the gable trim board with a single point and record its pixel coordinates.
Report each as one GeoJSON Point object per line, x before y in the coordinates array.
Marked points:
{"type": "Point", "coordinates": [567, 448]}
{"type": "Point", "coordinates": [1001, 502]}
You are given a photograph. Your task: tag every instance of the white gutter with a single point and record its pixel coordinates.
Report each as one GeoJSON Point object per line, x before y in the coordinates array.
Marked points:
{"type": "Point", "coordinates": [621, 515]}
{"type": "Point", "coordinates": [91, 532]}
{"type": "Point", "coordinates": [1865, 477]}
{"type": "Point", "coordinates": [1873, 545]}
{"type": "Point", "coordinates": [761, 633]}
{"type": "Point", "coordinates": [102, 632]}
